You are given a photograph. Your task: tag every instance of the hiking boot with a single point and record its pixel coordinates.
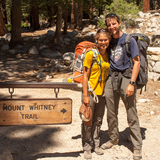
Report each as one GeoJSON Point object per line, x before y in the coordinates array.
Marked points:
{"type": "Point", "coordinates": [109, 144]}
{"type": "Point", "coordinates": [98, 151]}
{"type": "Point", "coordinates": [87, 155]}
{"type": "Point", "coordinates": [137, 154]}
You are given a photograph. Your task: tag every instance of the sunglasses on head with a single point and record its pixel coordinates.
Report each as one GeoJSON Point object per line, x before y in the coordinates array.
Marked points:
{"type": "Point", "coordinates": [102, 30]}
{"type": "Point", "coordinates": [111, 15]}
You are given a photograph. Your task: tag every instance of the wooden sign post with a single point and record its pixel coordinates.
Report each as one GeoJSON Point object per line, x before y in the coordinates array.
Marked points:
{"type": "Point", "coordinates": [35, 111]}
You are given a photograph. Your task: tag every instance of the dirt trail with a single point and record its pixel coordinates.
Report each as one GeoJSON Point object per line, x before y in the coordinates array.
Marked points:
{"type": "Point", "coordinates": [47, 142]}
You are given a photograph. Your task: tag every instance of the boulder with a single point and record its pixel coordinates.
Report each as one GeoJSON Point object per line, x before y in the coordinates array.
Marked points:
{"type": "Point", "coordinates": [33, 50]}
{"type": "Point", "coordinates": [5, 47]}
{"type": "Point", "coordinates": [50, 54]}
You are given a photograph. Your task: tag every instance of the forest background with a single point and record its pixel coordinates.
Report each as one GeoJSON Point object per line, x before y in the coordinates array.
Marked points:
{"type": "Point", "coordinates": [15, 14]}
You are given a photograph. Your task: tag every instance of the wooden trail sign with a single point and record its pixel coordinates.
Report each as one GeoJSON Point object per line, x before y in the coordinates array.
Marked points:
{"type": "Point", "coordinates": [35, 111]}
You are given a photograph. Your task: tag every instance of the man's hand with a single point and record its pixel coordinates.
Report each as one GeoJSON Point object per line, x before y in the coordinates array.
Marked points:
{"type": "Point", "coordinates": [130, 90]}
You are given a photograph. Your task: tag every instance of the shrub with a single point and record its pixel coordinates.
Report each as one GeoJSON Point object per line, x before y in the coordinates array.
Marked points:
{"type": "Point", "coordinates": [123, 9]}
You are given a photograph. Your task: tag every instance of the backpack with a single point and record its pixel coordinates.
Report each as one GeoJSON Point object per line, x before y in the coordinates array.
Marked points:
{"type": "Point", "coordinates": [80, 51]}
{"type": "Point", "coordinates": [143, 42]}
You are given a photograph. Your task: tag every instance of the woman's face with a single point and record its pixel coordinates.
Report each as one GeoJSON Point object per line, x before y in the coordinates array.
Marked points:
{"type": "Point", "coordinates": [103, 41]}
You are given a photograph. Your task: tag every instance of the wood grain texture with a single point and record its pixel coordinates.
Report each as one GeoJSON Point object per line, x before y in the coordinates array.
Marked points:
{"type": "Point", "coordinates": [35, 111]}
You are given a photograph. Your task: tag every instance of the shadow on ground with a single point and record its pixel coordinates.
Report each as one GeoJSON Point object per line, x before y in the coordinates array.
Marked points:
{"type": "Point", "coordinates": [124, 137]}
{"type": "Point", "coordinates": [25, 141]}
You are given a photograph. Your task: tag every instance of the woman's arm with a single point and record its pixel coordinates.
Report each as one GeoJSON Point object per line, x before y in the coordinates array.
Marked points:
{"type": "Point", "coordinates": [86, 73]}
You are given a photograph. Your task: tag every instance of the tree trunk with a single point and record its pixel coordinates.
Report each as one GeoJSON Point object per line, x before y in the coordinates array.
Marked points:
{"type": "Point", "coordinates": [58, 25]}
{"type": "Point", "coordinates": [80, 15]}
{"type": "Point", "coordinates": [65, 18]}
{"type": "Point", "coordinates": [3, 29]}
{"type": "Point", "coordinates": [4, 11]}
{"type": "Point", "coordinates": [76, 14]}
{"type": "Point", "coordinates": [35, 16]}
{"type": "Point", "coordinates": [146, 5]}
{"type": "Point", "coordinates": [72, 12]}
{"type": "Point", "coordinates": [91, 10]}
{"type": "Point", "coordinates": [100, 7]}
{"type": "Point", "coordinates": [156, 4]}
{"type": "Point", "coordinates": [16, 23]}
{"type": "Point", "coordinates": [137, 2]}
{"type": "Point", "coordinates": [51, 14]}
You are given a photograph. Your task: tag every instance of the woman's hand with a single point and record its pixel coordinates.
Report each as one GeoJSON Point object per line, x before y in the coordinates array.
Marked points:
{"type": "Point", "coordinates": [86, 100]}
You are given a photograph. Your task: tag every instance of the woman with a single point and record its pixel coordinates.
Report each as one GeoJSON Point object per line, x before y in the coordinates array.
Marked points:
{"type": "Point", "coordinates": [96, 75]}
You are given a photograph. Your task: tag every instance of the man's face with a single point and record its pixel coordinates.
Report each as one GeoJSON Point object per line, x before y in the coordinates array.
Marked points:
{"type": "Point", "coordinates": [113, 26]}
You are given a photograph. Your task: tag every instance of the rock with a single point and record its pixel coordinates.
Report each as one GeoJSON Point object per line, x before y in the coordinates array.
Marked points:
{"type": "Point", "coordinates": [156, 93]}
{"type": "Point", "coordinates": [36, 38]}
{"type": "Point", "coordinates": [2, 39]}
{"type": "Point", "coordinates": [90, 34]}
{"type": "Point", "coordinates": [48, 77]}
{"type": "Point", "coordinates": [154, 57]}
{"type": "Point", "coordinates": [149, 30]}
{"type": "Point", "coordinates": [139, 20]}
{"type": "Point", "coordinates": [33, 50]}
{"type": "Point", "coordinates": [5, 155]}
{"type": "Point", "coordinates": [156, 67]}
{"type": "Point", "coordinates": [40, 75]}
{"type": "Point", "coordinates": [153, 25]}
{"type": "Point", "coordinates": [75, 32]}
{"type": "Point", "coordinates": [153, 51]}
{"type": "Point", "coordinates": [50, 54]}
{"type": "Point", "coordinates": [53, 62]}
{"type": "Point", "coordinates": [68, 58]}
{"type": "Point", "coordinates": [92, 26]}
{"type": "Point", "coordinates": [5, 47]}
{"type": "Point", "coordinates": [157, 14]}
{"type": "Point", "coordinates": [66, 40]}
{"type": "Point", "coordinates": [26, 39]}
{"type": "Point", "coordinates": [85, 30]}
{"type": "Point", "coordinates": [43, 47]}
{"type": "Point", "coordinates": [11, 51]}
{"type": "Point", "coordinates": [152, 63]}
{"type": "Point", "coordinates": [50, 33]}
{"type": "Point", "coordinates": [154, 20]}
{"type": "Point", "coordinates": [152, 112]}
{"type": "Point", "coordinates": [7, 37]}
{"type": "Point", "coordinates": [142, 100]}
{"type": "Point", "coordinates": [154, 76]}
{"type": "Point", "coordinates": [141, 14]}
{"type": "Point", "coordinates": [58, 67]}
{"type": "Point", "coordinates": [18, 47]}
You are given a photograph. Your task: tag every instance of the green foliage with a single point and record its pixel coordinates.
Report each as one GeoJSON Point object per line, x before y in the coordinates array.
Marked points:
{"type": "Point", "coordinates": [101, 22]}
{"type": "Point", "coordinates": [8, 26]}
{"type": "Point", "coordinates": [124, 10]}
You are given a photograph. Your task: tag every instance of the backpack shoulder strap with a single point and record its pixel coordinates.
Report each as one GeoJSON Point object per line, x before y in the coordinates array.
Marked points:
{"type": "Point", "coordinates": [128, 43]}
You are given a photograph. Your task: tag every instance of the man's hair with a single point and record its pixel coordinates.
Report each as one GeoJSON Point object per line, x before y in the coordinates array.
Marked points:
{"type": "Point", "coordinates": [110, 16]}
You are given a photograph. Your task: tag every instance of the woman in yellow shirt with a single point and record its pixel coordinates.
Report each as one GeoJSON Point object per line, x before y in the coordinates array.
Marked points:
{"type": "Point", "coordinates": [96, 75]}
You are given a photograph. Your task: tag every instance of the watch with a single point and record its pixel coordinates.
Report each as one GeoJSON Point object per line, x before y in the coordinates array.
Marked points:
{"type": "Point", "coordinates": [132, 82]}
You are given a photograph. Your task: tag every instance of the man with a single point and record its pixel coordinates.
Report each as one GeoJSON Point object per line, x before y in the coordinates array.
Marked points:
{"type": "Point", "coordinates": [121, 84]}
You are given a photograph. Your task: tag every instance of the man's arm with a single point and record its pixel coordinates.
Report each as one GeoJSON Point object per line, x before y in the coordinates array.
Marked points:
{"type": "Point", "coordinates": [135, 71]}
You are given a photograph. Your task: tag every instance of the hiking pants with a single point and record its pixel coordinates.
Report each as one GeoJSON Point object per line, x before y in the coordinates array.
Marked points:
{"type": "Point", "coordinates": [112, 103]}
{"type": "Point", "coordinates": [90, 134]}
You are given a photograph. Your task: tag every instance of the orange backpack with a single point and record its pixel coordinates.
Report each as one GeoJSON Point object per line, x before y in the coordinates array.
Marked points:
{"type": "Point", "coordinates": [80, 51]}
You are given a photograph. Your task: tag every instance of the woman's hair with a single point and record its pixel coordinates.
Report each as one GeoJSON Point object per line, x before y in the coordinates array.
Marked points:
{"type": "Point", "coordinates": [103, 31]}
